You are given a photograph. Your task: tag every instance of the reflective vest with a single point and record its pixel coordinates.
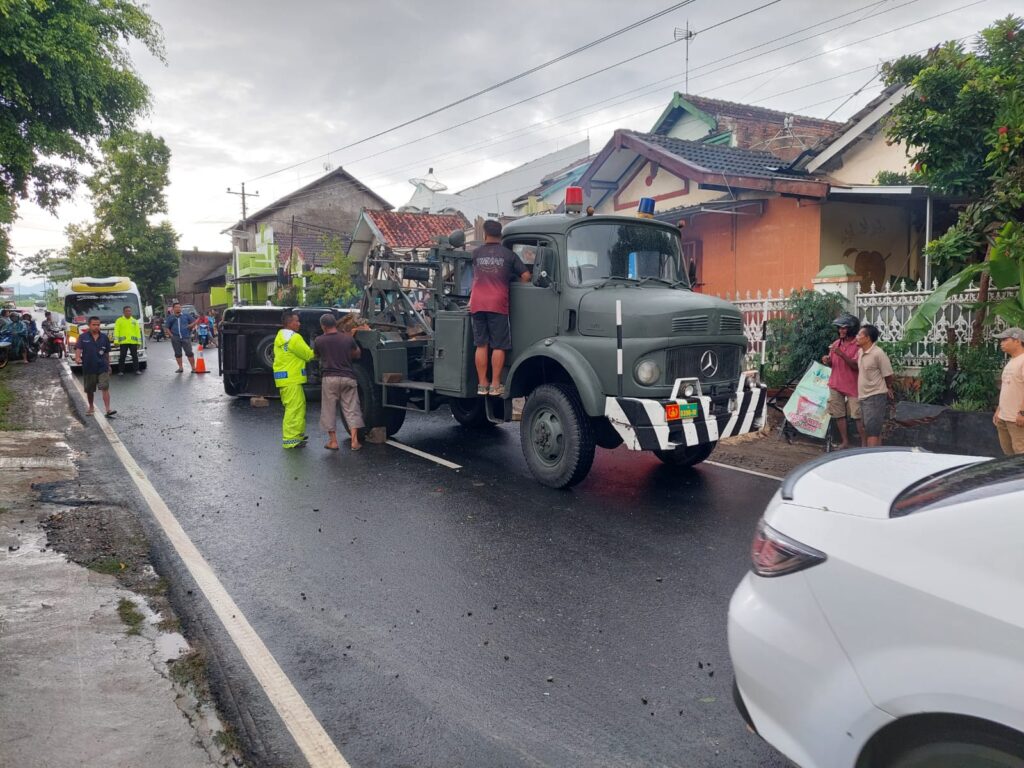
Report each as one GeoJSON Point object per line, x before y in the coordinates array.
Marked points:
{"type": "Point", "coordinates": [291, 353]}
{"type": "Point", "coordinates": [127, 330]}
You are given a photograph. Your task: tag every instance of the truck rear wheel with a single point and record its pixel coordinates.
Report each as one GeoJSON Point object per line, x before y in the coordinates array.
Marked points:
{"type": "Point", "coordinates": [557, 436]}
{"type": "Point", "coordinates": [686, 455]}
{"type": "Point", "coordinates": [471, 412]}
{"type": "Point", "coordinates": [374, 414]}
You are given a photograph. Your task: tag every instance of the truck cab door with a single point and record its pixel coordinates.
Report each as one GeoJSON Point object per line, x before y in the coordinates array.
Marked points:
{"type": "Point", "coordinates": [533, 306]}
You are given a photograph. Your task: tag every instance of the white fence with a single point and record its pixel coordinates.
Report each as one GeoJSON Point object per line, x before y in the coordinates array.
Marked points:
{"type": "Point", "coordinates": [890, 309]}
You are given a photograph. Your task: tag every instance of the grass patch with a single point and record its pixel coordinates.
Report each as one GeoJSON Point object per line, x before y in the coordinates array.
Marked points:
{"type": "Point", "coordinates": [190, 669]}
{"type": "Point", "coordinates": [111, 566]}
{"type": "Point", "coordinates": [169, 624]}
{"type": "Point", "coordinates": [6, 399]}
{"type": "Point", "coordinates": [227, 740]}
{"type": "Point", "coordinates": [130, 615]}
{"type": "Point", "coordinates": [157, 588]}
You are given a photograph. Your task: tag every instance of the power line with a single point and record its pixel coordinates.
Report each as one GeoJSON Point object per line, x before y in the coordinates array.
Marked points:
{"type": "Point", "coordinates": [495, 86]}
{"type": "Point", "coordinates": [870, 80]}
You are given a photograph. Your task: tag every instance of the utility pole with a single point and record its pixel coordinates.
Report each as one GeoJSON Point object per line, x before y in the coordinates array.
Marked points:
{"type": "Point", "coordinates": [245, 215]}
{"type": "Point", "coordinates": [686, 34]}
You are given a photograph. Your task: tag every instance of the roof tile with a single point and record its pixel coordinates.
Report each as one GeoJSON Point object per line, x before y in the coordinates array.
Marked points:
{"type": "Point", "coordinates": [406, 229]}
{"type": "Point", "coordinates": [720, 159]}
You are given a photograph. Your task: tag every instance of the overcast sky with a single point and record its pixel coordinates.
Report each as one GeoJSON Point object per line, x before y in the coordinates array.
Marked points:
{"type": "Point", "coordinates": [249, 89]}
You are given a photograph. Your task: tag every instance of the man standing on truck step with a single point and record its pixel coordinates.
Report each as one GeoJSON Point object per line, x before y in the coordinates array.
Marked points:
{"type": "Point", "coordinates": [336, 351]}
{"type": "Point", "coordinates": [494, 267]}
{"type": "Point", "coordinates": [179, 327]}
{"type": "Point", "coordinates": [291, 353]}
{"type": "Point", "coordinates": [128, 335]}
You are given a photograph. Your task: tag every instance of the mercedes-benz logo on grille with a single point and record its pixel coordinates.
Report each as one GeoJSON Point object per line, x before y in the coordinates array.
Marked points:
{"type": "Point", "coordinates": [708, 364]}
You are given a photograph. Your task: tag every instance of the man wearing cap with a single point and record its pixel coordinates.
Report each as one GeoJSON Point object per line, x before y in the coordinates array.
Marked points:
{"type": "Point", "coordinates": [1009, 416]}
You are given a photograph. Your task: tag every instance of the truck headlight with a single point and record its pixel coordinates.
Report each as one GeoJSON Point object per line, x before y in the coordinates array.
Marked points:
{"type": "Point", "coordinates": [647, 372]}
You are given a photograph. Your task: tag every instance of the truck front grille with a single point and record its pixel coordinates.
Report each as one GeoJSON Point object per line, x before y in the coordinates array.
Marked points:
{"type": "Point", "coordinates": [690, 324]}
{"type": "Point", "coordinates": [731, 324]}
{"type": "Point", "coordinates": [686, 362]}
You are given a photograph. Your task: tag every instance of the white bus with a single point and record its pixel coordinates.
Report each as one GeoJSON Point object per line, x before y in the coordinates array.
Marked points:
{"type": "Point", "coordinates": [106, 298]}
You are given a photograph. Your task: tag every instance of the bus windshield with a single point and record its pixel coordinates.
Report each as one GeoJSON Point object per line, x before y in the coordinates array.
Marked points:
{"type": "Point", "coordinates": [633, 251]}
{"type": "Point", "coordinates": [79, 307]}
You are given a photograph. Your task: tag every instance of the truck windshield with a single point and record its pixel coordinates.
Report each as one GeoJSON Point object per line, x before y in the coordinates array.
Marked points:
{"type": "Point", "coordinates": [633, 251]}
{"type": "Point", "coordinates": [79, 307]}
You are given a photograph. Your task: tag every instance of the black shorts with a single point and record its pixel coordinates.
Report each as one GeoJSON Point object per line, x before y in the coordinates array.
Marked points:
{"type": "Point", "coordinates": [491, 330]}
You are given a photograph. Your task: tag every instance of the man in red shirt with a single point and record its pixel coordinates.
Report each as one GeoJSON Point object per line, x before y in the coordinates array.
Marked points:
{"type": "Point", "coordinates": [842, 383]}
{"type": "Point", "coordinates": [494, 267]}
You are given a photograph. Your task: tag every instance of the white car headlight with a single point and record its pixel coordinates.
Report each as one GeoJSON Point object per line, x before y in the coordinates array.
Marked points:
{"type": "Point", "coordinates": [647, 372]}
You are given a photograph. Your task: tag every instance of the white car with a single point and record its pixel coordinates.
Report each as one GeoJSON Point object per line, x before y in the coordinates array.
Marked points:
{"type": "Point", "coordinates": [882, 624]}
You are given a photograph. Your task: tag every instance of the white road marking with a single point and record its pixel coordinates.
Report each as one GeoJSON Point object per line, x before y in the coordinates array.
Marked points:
{"type": "Point", "coordinates": [425, 455]}
{"type": "Point", "coordinates": [745, 471]}
{"type": "Point", "coordinates": [300, 721]}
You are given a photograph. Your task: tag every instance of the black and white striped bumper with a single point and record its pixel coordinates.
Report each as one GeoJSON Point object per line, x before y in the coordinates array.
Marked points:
{"type": "Point", "coordinates": [644, 427]}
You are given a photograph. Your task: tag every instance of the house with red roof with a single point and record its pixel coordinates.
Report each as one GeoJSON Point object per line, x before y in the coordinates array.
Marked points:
{"type": "Point", "coordinates": [400, 234]}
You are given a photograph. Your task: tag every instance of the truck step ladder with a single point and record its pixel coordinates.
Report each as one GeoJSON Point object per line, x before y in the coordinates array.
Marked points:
{"type": "Point", "coordinates": [425, 387]}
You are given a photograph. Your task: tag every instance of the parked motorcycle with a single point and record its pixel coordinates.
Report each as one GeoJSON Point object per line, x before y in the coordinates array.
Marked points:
{"type": "Point", "coordinates": [5, 349]}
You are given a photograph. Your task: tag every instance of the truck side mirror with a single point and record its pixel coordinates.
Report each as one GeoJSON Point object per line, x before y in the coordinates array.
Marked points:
{"type": "Point", "coordinates": [543, 267]}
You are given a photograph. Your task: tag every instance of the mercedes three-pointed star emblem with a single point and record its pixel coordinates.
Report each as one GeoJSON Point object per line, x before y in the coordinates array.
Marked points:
{"type": "Point", "coordinates": [708, 364]}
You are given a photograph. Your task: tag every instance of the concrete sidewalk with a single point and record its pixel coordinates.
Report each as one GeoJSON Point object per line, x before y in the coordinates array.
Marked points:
{"type": "Point", "coordinates": [93, 674]}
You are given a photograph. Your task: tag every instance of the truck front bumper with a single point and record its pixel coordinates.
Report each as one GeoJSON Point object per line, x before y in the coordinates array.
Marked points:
{"type": "Point", "coordinates": [644, 425]}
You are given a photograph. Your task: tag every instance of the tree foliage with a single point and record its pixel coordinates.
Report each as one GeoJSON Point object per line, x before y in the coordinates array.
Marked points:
{"type": "Point", "coordinates": [66, 80]}
{"type": "Point", "coordinates": [127, 191]}
{"type": "Point", "coordinates": [803, 335]}
{"type": "Point", "coordinates": [333, 283]}
{"type": "Point", "coordinates": [963, 125]}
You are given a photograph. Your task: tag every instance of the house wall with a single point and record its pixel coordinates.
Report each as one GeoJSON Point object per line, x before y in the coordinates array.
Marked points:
{"type": "Point", "coordinates": [336, 206]}
{"type": "Point", "coordinates": [691, 128]}
{"type": "Point", "coordinates": [195, 265]}
{"type": "Point", "coordinates": [862, 162]}
{"type": "Point", "coordinates": [667, 189]}
{"type": "Point", "coordinates": [777, 250]}
{"type": "Point", "coordinates": [877, 241]}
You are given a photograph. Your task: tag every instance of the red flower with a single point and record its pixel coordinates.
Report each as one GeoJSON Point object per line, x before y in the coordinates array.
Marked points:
{"type": "Point", "coordinates": [1003, 130]}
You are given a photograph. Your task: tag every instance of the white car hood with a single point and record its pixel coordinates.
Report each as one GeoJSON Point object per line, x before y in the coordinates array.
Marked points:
{"type": "Point", "coordinates": [864, 484]}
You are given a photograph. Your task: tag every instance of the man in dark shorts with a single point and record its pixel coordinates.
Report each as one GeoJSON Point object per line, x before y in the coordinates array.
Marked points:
{"type": "Point", "coordinates": [179, 327]}
{"type": "Point", "coordinates": [494, 267]}
{"type": "Point", "coordinates": [92, 352]}
{"type": "Point", "coordinates": [336, 351]}
{"type": "Point", "coordinates": [874, 383]}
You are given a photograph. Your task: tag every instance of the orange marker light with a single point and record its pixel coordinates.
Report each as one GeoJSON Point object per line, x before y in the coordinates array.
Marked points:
{"type": "Point", "coordinates": [672, 411]}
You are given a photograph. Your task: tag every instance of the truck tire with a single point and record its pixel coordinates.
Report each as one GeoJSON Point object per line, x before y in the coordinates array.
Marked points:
{"type": "Point", "coordinates": [687, 455]}
{"type": "Point", "coordinates": [557, 436]}
{"type": "Point", "coordinates": [374, 414]}
{"type": "Point", "coordinates": [471, 412]}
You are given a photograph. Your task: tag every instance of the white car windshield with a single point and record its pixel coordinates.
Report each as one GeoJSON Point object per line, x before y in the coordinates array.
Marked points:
{"type": "Point", "coordinates": [79, 307]}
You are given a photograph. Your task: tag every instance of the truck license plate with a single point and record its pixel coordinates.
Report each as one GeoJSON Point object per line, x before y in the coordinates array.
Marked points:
{"type": "Point", "coordinates": [688, 411]}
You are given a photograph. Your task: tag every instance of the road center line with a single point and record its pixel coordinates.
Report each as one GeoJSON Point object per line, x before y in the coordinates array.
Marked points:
{"type": "Point", "coordinates": [745, 471]}
{"type": "Point", "coordinates": [425, 455]}
{"type": "Point", "coordinates": [300, 721]}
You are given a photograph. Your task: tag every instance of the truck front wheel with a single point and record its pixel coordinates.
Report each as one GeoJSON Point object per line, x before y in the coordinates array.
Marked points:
{"type": "Point", "coordinates": [687, 455]}
{"type": "Point", "coordinates": [557, 436]}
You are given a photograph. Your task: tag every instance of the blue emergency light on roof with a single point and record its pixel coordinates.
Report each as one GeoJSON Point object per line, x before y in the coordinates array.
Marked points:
{"type": "Point", "coordinates": [646, 208]}
{"type": "Point", "coordinates": [573, 199]}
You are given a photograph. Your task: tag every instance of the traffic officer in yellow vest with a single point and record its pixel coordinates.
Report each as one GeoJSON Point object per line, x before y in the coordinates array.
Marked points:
{"type": "Point", "coordinates": [291, 353]}
{"type": "Point", "coordinates": [128, 336]}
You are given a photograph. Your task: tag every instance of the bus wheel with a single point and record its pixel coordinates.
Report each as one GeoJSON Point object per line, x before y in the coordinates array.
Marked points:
{"type": "Point", "coordinates": [557, 436]}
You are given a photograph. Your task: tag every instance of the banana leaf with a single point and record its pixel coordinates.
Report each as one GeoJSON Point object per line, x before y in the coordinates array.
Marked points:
{"type": "Point", "coordinates": [921, 321]}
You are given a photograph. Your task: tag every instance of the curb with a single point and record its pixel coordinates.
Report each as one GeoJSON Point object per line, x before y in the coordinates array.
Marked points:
{"type": "Point", "coordinates": [67, 380]}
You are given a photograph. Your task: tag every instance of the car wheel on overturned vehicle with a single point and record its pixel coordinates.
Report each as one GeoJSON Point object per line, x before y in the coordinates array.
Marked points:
{"type": "Point", "coordinates": [557, 436]}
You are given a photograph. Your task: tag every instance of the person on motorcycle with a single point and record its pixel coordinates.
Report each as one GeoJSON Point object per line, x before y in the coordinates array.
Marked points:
{"type": "Point", "coordinates": [49, 334]}
{"type": "Point", "coordinates": [18, 331]}
{"type": "Point", "coordinates": [204, 329]}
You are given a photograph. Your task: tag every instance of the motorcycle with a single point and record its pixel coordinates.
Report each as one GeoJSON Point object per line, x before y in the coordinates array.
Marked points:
{"type": "Point", "coordinates": [54, 345]}
{"type": "Point", "coordinates": [156, 332]}
{"type": "Point", "coordinates": [5, 349]}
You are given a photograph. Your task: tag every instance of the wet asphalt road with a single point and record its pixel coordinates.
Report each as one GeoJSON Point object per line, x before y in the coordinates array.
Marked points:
{"type": "Point", "coordinates": [432, 617]}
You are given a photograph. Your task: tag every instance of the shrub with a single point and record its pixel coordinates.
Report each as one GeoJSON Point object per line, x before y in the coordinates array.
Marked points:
{"type": "Point", "coordinates": [803, 336]}
{"type": "Point", "coordinates": [933, 384]}
{"type": "Point", "coordinates": [976, 381]}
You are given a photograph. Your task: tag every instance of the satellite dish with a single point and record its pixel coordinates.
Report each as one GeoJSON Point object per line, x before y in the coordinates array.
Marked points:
{"type": "Point", "coordinates": [429, 182]}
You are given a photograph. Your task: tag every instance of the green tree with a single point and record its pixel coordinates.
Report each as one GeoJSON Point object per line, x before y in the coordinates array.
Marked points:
{"type": "Point", "coordinates": [127, 191]}
{"type": "Point", "coordinates": [66, 80]}
{"type": "Point", "coordinates": [332, 283]}
{"type": "Point", "coordinates": [963, 125]}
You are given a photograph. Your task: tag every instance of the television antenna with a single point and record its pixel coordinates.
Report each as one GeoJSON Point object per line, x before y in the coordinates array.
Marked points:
{"type": "Point", "coordinates": [687, 34]}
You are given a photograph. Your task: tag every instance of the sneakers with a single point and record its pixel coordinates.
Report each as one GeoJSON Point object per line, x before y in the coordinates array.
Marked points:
{"type": "Point", "coordinates": [482, 390]}
{"type": "Point", "coordinates": [498, 390]}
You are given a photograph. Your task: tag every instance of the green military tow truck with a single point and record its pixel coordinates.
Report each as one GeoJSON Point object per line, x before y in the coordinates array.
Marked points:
{"type": "Point", "coordinates": [610, 346]}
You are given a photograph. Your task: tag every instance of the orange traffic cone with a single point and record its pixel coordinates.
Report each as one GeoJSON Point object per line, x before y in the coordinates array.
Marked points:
{"type": "Point", "coordinates": [200, 363]}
